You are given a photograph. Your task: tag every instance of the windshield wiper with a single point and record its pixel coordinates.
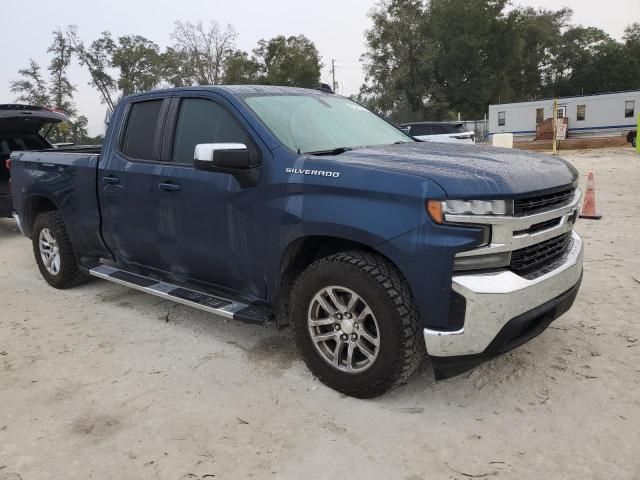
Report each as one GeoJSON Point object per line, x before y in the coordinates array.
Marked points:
{"type": "Point", "coordinates": [335, 151]}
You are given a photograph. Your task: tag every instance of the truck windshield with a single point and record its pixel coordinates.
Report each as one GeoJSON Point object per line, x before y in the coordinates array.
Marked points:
{"type": "Point", "coordinates": [322, 123]}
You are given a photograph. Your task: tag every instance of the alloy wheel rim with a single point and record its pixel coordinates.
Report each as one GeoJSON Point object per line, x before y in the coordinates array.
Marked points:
{"type": "Point", "coordinates": [343, 329]}
{"type": "Point", "coordinates": [49, 251]}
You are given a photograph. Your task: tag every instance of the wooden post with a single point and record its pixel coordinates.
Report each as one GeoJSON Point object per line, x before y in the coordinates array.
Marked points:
{"type": "Point", "coordinates": [555, 126]}
{"type": "Point", "coordinates": [638, 130]}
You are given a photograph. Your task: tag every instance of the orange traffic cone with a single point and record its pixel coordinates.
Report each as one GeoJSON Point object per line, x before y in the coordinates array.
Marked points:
{"type": "Point", "coordinates": [589, 205]}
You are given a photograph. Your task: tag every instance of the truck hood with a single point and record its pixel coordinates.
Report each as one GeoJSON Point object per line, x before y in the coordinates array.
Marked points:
{"type": "Point", "coordinates": [466, 171]}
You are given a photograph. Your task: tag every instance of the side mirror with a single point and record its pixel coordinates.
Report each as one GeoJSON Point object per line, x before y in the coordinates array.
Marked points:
{"type": "Point", "coordinates": [222, 157]}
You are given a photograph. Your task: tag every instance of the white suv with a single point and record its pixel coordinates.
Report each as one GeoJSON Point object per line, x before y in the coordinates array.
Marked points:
{"type": "Point", "coordinates": [444, 132]}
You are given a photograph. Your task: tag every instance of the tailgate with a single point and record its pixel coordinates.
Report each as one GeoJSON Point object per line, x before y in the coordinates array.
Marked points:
{"type": "Point", "coordinates": [27, 118]}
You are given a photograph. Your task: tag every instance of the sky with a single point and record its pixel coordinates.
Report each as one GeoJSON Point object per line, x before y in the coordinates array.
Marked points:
{"type": "Point", "coordinates": [336, 26]}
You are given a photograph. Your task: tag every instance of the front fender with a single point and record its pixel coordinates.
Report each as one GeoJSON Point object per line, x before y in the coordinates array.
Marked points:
{"type": "Point", "coordinates": [358, 204]}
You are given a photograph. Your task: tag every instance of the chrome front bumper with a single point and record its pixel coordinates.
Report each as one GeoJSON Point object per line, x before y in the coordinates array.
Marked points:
{"type": "Point", "coordinates": [493, 299]}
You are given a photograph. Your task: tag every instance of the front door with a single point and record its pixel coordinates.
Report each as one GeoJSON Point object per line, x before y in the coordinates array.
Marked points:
{"type": "Point", "coordinates": [212, 223]}
{"type": "Point", "coordinates": [129, 205]}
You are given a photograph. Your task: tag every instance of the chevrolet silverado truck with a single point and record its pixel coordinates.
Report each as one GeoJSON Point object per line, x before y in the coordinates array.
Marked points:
{"type": "Point", "coordinates": [298, 206]}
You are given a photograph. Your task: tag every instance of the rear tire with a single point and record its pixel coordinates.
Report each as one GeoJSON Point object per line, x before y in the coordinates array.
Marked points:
{"type": "Point", "coordinates": [54, 253]}
{"type": "Point", "coordinates": [634, 140]}
{"type": "Point", "coordinates": [375, 352]}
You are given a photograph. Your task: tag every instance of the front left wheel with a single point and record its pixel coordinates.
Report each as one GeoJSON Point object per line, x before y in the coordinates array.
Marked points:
{"type": "Point", "coordinates": [356, 324]}
{"type": "Point", "coordinates": [54, 253]}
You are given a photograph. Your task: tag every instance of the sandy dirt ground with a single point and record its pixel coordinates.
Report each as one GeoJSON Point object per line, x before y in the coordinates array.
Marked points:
{"type": "Point", "coordinates": [105, 382]}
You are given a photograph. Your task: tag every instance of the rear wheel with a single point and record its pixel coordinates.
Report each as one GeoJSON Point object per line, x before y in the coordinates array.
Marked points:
{"type": "Point", "coordinates": [634, 140]}
{"type": "Point", "coordinates": [356, 324]}
{"type": "Point", "coordinates": [54, 253]}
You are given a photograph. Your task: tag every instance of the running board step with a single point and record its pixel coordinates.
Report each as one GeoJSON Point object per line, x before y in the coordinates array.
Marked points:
{"type": "Point", "coordinates": [203, 301]}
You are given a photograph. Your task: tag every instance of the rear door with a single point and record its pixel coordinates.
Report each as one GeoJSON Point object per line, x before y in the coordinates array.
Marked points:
{"type": "Point", "coordinates": [129, 204]}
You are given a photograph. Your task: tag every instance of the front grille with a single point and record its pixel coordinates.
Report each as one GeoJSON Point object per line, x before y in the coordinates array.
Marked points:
{"type": "Point", "coordinates": [536, 256]}
{"type": "Point", "coordinates": [542, 202]}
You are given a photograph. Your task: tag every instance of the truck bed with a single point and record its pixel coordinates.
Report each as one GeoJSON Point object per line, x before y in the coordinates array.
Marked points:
{"type": "Point", "coordinates": [66, 177]}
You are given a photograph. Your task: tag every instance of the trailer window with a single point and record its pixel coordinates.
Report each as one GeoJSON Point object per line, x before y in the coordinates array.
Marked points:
{"type": "Point", "coordinates": [502, 119]}
{"type": "Point", "coordinates": [630, 109]}
{"type": "Point", "coordinates": [539, 115]}
{"type": "Point", "coordinates": [582, 113]}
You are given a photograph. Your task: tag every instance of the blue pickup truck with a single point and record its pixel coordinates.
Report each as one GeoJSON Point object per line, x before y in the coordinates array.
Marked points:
{"type": "Point", "coordinates": [262, 203]}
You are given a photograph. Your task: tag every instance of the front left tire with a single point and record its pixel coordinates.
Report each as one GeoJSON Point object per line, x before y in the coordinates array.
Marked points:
{"type": "Point", "coordinates": [356, 324]}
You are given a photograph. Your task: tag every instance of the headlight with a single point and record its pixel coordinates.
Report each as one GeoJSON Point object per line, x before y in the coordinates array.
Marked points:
{"type": "Point", "coordinates": [475, 207]}
{"type": "Point", "coordinates": [437, 209]}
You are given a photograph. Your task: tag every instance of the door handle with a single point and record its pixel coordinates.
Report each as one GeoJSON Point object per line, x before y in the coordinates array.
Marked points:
{"type": "Point", "coordinates": [169, 187]}
{"type": "Point", "coordinates": [110, 180]}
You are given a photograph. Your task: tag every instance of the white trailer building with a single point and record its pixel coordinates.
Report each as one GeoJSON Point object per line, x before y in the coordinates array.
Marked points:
{"type": "Point", "coordinates": [608, 114]}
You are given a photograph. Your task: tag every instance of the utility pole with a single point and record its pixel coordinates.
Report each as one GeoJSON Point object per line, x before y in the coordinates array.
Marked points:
{"type": "Point", "coordinates": [333, 72]}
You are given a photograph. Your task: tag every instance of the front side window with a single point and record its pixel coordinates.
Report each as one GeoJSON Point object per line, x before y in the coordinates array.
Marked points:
{"type": "Point", "coordinates": [141, 129]}
{"type": "Point", "coordinates": [204, 121]}
{"type": "Point", "coordinates": [502, 119]}
{"type": "Point", "coordinates": [539, 115]}
{"type": "Point", "coordinates": [322, 123]}
{"type": "Point", "coordinates": [630, 109]}
{"type": "Point", "coordinates": [582, 113]}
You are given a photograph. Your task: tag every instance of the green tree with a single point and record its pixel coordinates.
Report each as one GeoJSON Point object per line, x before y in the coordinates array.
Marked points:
{"type": "Point", "coordinates": [398, 64]}
{"type": "Point", "coordinates": [469, 65]}
{"type": "Point", "coordinates": [292, 61]}
{"type": "Point", "coordinates": [32, 87]}
{"type": "Point", "coordinates": [60, 88]}
{"type": "Point", "coordinates": [535, 36]}
{"type": "Point", "coordinates": [242, 70]}
{"type": "Point", "coordinates": [97, 59]}
{"type": "Point", "coordinates": [433, 59]}
{"type": "Point", "coordinates": [176, 69]}
{"type": "Point", "coordinates": [138, 62]}
{"type": "Point", "coordinates": [577, 48]}
{"type": "Point", "coordinates": [122, 66]}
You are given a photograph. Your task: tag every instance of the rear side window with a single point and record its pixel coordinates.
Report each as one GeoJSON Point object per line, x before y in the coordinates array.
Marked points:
{"type": "Point", "coordinates": [418, 130]}
{"type": "Point", "coordinates": [441, 129]}
{"type": "Point", "coordinates": [204, 121]}
{"type": "Point", "coordinates": [141, 129]}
